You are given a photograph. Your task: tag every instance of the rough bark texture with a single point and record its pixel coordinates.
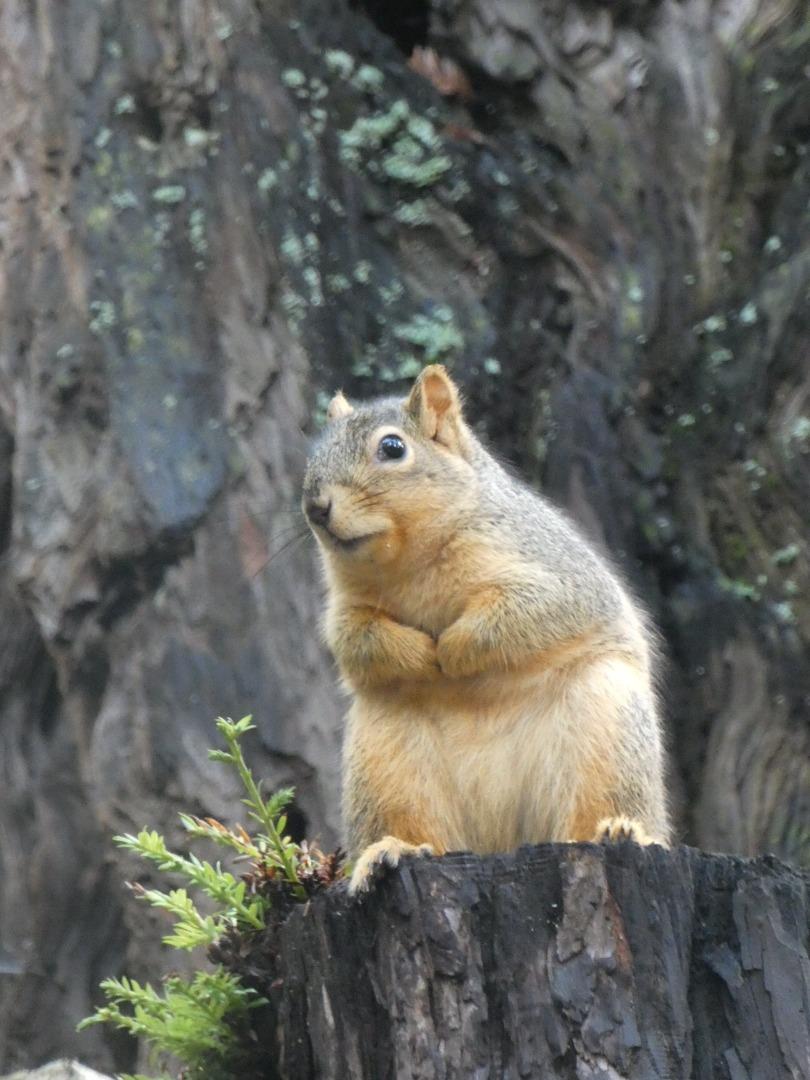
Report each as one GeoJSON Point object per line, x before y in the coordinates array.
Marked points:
{"type": "Point", "coordinates": [558, 962]}
{"type": "Point", "coordinates": [609, 243]}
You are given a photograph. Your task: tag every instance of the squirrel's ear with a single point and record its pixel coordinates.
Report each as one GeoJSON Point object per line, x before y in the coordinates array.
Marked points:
{"type": "Point", "coordinates": [435, 405]}
{"type": "Point", "coordinates": [338, 407]}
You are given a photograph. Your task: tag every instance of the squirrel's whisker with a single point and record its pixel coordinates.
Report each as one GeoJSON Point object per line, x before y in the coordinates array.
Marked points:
{"type": "Point", "coordinates": [233, 515]}
{"type": "Point", "coordinates": [271, 558]}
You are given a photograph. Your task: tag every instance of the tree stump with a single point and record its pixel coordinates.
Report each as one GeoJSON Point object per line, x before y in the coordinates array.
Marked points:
{"type": "Point", "coordinates": [558, 961]}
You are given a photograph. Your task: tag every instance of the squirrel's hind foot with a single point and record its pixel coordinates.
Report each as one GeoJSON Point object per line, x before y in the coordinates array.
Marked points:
{"type": "Point", "coordinates": [384, 853]}
{"type": "Point", "coordinates": [613, 829]}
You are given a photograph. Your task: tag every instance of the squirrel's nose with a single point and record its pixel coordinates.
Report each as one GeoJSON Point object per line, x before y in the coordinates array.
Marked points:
{"type": "Point", "coordinates": [318, 511]}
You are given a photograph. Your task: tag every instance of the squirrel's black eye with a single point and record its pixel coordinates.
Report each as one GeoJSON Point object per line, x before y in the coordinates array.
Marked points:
{"type": "Point", "coordinates": [391, 447]}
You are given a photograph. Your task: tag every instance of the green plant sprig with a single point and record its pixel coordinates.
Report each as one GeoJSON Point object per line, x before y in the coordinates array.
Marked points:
{"type": "Point", "coordinates": [187, 1020]}
{"type": "Point", "coordinates": [196, 1021]}
{"type": "Point", "coordinates": [266, 812]}
{"type": "Point", "coordinates": [218, 884]}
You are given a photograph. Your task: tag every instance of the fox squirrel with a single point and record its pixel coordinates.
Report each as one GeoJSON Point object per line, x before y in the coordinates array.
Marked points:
{"type": "Point", "coordinates": [501, 674]}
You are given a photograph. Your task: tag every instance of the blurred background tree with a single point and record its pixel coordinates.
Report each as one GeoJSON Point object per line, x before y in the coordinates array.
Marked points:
{"type": "Point", "coordinates": [212, 213]}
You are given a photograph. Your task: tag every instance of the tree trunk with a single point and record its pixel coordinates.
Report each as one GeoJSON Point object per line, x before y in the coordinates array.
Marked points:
{"type": "Point", "coordinates": [560, 962]}
{"type": "Point", "coordinates": [212, 212]}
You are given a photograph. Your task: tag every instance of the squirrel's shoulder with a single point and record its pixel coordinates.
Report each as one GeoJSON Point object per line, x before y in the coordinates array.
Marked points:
{"type": "Point", "coordinates": [530, 535]}
{"type": "Point", "coordinates": [527, 520]}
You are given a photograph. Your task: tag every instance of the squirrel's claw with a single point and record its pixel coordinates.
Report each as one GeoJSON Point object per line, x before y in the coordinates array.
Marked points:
{"type": "Point", "coordinates": [611, 830]}
{"type": "Point", "coordinates": [385, 853]}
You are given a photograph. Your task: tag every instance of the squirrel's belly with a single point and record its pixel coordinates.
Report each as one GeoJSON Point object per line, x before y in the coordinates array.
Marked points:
{"type": "Point", "coordinates": [510, 771]}
{"type": "Point", "coordinates": [484, 777]}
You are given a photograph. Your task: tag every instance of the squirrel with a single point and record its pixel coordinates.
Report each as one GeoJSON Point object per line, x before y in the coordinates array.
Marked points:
{"type": "Point", "coordinates": [502, 676]}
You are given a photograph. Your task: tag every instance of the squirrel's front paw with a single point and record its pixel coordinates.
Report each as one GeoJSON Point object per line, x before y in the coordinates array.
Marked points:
{"type": "Point", "coordinates": [610, 830]}
{"type": "Point", "coordinates": [456, 654]}
{"type": "Point", "coordinates": [385, 853]}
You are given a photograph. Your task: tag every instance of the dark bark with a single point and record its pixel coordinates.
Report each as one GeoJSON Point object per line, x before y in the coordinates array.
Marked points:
{"type": "Point", "coordinates": [194, 252]}
{"type": "Point", "coordinates": [558, 962]}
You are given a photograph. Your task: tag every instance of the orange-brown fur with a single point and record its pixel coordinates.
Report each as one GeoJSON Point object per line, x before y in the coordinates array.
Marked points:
{"type": "Point", "coordinates": [501, 683]}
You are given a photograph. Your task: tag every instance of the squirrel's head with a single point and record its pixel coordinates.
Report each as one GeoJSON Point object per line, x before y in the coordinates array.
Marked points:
{"type": "Point", "coordinates": [391, 475]}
